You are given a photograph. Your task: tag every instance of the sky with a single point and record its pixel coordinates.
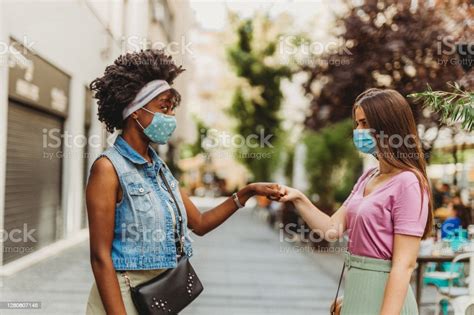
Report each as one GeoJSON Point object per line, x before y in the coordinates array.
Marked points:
{"type": "Point", "coordinates": [211, 14]}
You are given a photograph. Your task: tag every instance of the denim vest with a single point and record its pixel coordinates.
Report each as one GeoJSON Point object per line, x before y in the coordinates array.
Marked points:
{"type": "Point", "coordinates": [144, 230]}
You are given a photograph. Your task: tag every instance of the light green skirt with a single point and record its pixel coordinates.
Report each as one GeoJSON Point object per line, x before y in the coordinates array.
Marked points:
{"type": "Point", "coordinates": [364, 288]}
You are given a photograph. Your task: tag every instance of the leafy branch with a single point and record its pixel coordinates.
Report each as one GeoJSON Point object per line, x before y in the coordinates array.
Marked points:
{"type": "Point", "coordinates": [455, 106]}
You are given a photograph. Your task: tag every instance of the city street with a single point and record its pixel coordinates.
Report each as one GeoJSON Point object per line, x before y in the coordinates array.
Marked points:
{"type": "Point", "coordinates": [244, 268]}
{"type": "Point", "coordinates": [364, 106]}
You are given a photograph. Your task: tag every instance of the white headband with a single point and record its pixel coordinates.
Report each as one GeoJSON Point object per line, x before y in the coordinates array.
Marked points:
{"type": "Point", "coordinates": [146, 94]}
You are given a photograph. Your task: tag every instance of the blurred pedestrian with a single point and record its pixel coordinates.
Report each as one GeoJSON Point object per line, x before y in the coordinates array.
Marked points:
{"type": "Point", "coordinates": [441, 195]}
{"type": "Point", "coordinates": [461, 211]}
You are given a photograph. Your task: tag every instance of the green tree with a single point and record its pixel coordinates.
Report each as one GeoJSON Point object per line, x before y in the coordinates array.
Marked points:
{"type": "Point", "coordinates": [383, 44]}
{"type": "Point", "coordinates": [332, 163]}
{"type": "Point", "coordinates": [256, 102]}
{"type": "Point", "coordinates": [195, 148]}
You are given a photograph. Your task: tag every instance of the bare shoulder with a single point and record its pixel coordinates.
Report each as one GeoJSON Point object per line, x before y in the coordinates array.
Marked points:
{"type": "Point", "coordinates": [102, 166]}
{"type": "Point", "coordinates": [103, 171]}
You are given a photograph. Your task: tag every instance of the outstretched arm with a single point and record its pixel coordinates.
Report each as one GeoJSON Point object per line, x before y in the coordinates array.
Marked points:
{"type": "Point", "coordinates": [330, 227]}
{"type": "Point", "coordinates": [202, 223]}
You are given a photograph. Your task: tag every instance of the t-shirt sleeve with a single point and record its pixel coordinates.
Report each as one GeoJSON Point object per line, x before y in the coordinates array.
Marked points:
{"type": "Point", "coordinates": [409, 217]}
{"type": "Point", "coordinates": [356, 186]}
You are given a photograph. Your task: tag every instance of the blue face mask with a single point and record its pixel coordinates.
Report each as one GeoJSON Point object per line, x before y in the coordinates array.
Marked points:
{"type": "Point", "coordinates": [161, 127]}
{"type": "Point", "coordinates": [364, 141]}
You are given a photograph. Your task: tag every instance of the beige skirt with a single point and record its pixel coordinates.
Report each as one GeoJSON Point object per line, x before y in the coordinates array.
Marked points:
{"type": "Point", "coordinates": [94, 303]}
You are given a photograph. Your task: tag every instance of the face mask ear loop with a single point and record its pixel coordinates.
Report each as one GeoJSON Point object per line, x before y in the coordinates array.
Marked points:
{"type": "Point", "coordinates": [137, 119]}
{"type": "Point", "coordinates": [153, 113]}
{"type": "Point", "coordinates": [139, 123]}
{"type": "Point", "coordinates": [147, 110]}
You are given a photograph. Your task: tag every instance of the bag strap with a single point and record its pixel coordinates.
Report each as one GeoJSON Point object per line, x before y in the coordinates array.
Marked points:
{"type": "Point", "coordinates": [333, 310]}
{"type": "Point", "coordinates": [180, 216]}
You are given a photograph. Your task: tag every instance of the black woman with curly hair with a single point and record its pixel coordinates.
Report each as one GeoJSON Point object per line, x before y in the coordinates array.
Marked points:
{"type": "Point", "coordinates": [134, 204]}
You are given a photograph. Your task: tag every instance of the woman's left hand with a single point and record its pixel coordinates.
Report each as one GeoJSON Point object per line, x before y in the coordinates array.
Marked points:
{"type": "Point", "coordinates": [270, 190]}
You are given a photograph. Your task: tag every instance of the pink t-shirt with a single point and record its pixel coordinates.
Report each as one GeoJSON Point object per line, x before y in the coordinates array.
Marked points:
{"type": "Point", "coordinates": [394, 207]}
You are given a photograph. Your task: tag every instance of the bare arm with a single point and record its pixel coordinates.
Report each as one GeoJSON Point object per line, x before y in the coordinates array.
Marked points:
{"type": "Point", "coordinates": [405, 251]}
{"type": "Point", "coordinates": [101, 197]}
{"type": "Point", "coordinates": [202, 223]}
{"type": "Point", "coordinates": [331, 227]}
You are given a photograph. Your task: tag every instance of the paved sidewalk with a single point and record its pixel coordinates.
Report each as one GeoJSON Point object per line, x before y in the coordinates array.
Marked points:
{"type": "Point", "coordinates": [244, 267]}
{"type": "Point", "coordinates": [61, 283]}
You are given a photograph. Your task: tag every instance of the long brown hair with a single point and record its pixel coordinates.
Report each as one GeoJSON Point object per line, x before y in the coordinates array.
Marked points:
{"type": "Point", "coordinates": [387, 113]}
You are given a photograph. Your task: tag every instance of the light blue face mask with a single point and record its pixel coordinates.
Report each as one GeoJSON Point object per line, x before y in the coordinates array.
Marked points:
{"type": "Point", "coordinates": [364, 141]}
{"type": "Point", "coordinates": [161, 127]}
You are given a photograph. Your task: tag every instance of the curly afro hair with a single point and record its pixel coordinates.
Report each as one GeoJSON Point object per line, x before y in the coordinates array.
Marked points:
{"type": "Point", "coordinates": [126, 77]}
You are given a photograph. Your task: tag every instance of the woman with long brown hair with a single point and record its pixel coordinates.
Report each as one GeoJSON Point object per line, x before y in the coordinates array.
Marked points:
{"type": "Point", "coordinates": [387, 213]}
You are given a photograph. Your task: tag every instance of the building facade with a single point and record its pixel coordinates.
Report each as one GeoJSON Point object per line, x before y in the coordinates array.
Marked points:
{"type": "Point", "coordinates": [50, 52]}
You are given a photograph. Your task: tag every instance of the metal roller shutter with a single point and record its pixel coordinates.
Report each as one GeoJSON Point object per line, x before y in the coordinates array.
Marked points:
{"type": "Point", "coordinates": [33, 181]}
{"type": "Point", "coordinates": [87, 129]}
{"type": "Point", "coordinates": [84, 222]}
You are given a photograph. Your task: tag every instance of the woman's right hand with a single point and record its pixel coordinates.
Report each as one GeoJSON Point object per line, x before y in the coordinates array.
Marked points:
{"type": "Point", "coordinates": [289, 194]}
{"type": "Point", "coordinates": [337, 311]}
